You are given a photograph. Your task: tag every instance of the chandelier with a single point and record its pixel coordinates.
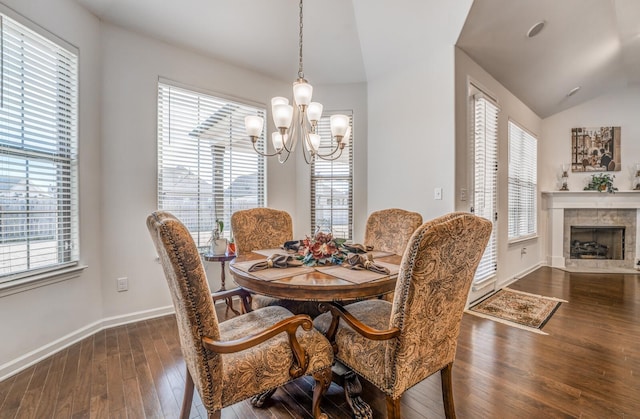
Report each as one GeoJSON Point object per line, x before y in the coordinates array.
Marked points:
{"type": "Point", "coordinates": [299, 122]}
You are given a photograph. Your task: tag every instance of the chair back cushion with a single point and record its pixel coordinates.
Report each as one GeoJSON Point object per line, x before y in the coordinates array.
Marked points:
{"type": "Point", "coordinates": [260, 228]}
{"type": "Point", "coordinates": [437, 269]}
{"type": "Point", "coordinates": [192, 300]}
{"type": "Point", "coordinates": [389, 230]}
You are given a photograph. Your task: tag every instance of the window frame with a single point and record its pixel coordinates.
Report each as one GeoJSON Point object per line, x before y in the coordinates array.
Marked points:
{"type": "Point", "coordinates": [325, 133]}
{"type": "Point", "coordinates": [204, 132]}
{"type": "Point", "coordinates": [33, 149]}
{"type": "Point", "coordinates": [533, 232]}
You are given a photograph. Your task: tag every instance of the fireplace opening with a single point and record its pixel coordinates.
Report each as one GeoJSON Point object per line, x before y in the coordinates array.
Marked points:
{"type": "Point", "coordinates": [590, 242]}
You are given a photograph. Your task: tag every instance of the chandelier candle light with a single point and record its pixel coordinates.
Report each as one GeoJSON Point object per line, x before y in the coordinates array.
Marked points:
{"type": "Point", "coordinates": [305, 116]}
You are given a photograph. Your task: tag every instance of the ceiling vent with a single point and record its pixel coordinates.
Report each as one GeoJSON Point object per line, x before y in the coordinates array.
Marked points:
{"type": "Point", "coordinates": [536, 29]}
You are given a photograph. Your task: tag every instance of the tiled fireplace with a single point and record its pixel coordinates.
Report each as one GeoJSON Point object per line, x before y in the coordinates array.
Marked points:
{"type": "Point", "coordinates": [606, 229]}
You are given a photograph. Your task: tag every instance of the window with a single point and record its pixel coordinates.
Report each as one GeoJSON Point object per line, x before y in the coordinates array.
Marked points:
{"type": "Point", "coordinates": [523, 187]}
{"type": "Point", "coordinates": [38, 151]}
{"type": "Point", "coordinates": [332, 185]}
{"type": "Point", "coordinates": [207, 168]}
{"type": "Point", "coordinates": [485, 190]}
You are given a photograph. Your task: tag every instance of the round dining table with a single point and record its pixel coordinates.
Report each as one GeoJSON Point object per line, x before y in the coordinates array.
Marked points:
{"type": "Point", "coordinates": [317, 285]}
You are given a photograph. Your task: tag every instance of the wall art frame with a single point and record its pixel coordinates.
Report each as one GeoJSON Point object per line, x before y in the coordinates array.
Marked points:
{"type": "Point", "coordinates": [595, 149]}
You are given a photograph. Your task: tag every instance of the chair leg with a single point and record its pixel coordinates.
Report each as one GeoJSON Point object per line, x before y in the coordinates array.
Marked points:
{"type": "Point", "coordinates": [323, 381]}
{"type": "Point", "coordinates": [393, 408]}
{"type": "Point", "coordinates": [188, 396]}
{"type": "Point", "coordinates": [447, 391]}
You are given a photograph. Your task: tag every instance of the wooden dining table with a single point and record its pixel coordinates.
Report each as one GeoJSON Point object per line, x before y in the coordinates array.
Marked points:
{"type": "Point", "coordinates": [312, 284]}
{"type": "Point", "coordinates": [320, 284]}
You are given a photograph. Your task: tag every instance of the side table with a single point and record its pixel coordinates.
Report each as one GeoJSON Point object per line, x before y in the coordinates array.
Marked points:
{"type": "Point", "coordinates": [223, 259]}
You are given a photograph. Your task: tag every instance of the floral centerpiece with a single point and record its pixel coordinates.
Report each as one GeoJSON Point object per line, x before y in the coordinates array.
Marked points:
{"type": "Point", "coordinates": [321, 249]}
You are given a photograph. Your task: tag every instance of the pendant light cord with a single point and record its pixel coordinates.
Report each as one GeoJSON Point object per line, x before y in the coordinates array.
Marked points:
{"type": "Point", "coordinates": [300, 66]}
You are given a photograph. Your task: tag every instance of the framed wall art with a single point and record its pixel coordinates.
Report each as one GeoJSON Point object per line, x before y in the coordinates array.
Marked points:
{"type": "Point", "coordinates": [595, 149]}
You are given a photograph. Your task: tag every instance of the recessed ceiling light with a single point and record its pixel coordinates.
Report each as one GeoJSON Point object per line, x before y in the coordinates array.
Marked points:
{"type": "Point", "coordinates": [573, 91]}
{"type": "Point", "coordinates": [536, 29]}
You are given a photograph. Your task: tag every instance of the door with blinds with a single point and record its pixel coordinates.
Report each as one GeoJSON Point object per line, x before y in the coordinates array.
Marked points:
{"type": "Point", "coordinates": [484, 143]}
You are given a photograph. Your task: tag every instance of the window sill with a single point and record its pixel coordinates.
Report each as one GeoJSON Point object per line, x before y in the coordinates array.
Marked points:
{"type": "Point", "coordinates": [41, 280]}
{"type": "Point", "coordinates": [522, 239]}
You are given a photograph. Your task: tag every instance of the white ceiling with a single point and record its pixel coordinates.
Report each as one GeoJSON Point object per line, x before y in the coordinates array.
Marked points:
{"type": "Point", "coordinates": [345, 41]}
{"type": "Point", "coordinates": [594, 44]}
{"type": "Point", "coordinates": [590, 43]}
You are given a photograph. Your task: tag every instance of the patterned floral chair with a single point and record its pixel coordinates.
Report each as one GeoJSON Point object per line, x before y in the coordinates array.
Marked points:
{"type": "Point", "coordinates": [267, 228]}
{"type": "Point", "coordinates": [242, 357]}
{"type": "Point", "coordinates": [397, 345]}
{"type": "Point", "coordinates": [389, 230]}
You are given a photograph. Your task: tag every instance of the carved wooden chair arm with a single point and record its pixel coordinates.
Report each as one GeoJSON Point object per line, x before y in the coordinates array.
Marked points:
{"type": "Point", "coordinates": [289, 326]}
{"type": "Point", "coordinates": [245, 297]}
{"type": "Point", "coordinates": [338, 312]}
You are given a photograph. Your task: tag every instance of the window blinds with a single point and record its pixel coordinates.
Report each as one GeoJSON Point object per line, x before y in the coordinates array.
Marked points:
{"type": "Point", "coordinates": [38, 152]}
{"type": "Point", "coordinates": [207, 168]}
{"type": "Point", "coordinates": [485, 141]}
{"type": "Point", "coordinates": [332, 185]}
{"type": "Point", "coordinates": [523, 187]}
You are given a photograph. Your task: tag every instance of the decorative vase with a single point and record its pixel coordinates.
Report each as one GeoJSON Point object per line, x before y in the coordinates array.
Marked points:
{"type": "Point", "coordinates": [231, 249]}
{"type": "Point", "coordinates": [602, 188]}
{"type": "Point", "coordinates": [218, 246]}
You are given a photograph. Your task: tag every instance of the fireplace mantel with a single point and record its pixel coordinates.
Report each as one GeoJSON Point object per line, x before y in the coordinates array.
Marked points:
{"type": "Point", "coordinates": [592, 199]}
{"type": "Point", "coordinates": [556, 202]}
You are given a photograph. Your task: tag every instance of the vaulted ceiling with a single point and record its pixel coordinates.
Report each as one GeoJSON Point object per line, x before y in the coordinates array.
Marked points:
{"type": "Point", "coordinates": [591, 44]}
{"type": "Point", "coordinates": [594, 44]}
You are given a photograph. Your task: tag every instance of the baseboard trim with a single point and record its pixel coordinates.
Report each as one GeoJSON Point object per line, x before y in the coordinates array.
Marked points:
{"type": "Point", "coordinates": [517, 276]}
{"type": "Point", "coordinates": [14, 366]}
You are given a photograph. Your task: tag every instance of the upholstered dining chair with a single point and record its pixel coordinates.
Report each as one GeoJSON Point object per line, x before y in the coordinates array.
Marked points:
{"type": "Point", "coordinates": [244, 356]}
{"type": "Point", "coordinates": [266, 228]}
{"type": "Point", "coordinates": [389, 230]}
{"type": "Point", "coordinates": [397, 345]}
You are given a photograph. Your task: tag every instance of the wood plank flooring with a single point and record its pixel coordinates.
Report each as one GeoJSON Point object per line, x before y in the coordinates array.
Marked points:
{"type": "Point", "coordinates": [587, 367]}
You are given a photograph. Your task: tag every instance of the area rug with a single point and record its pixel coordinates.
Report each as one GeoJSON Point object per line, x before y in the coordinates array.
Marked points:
{"type": "Point", "coordinates": [518, 309]}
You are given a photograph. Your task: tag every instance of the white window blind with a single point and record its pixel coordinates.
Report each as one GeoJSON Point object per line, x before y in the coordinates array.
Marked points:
{"type": "Point", "coordinates": [485, 191]}
{"type": "Point", "coordinates": [207, 168]}
{"type": "Point", "coordinates": [332, 185]}
{"type": "Point", "coordinates": [523, 184]}
{"type": "Point", "coordinates": [38, 151]}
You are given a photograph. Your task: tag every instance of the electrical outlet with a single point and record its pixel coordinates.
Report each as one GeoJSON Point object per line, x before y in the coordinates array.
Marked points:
{"type": "Point", "coordinates": [523, 251]}
{"type": "Point", "coordinates": [437, 193]}
{"type": "Point", "coordinates": [122, 284]}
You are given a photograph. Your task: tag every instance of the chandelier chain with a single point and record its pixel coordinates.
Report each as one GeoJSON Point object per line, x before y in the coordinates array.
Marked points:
{"type": "Point", "coordinates": [300, 66]}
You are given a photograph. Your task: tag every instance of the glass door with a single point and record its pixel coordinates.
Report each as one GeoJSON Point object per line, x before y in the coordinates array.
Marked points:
{"type": "Point", "coordinates": [485, 185]}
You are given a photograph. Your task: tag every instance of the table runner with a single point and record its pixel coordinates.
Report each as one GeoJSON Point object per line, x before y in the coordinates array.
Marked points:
{"type": "Point", "coordinates": [272, 274]}
{"type": "Point", "coordinates": [358, 276]}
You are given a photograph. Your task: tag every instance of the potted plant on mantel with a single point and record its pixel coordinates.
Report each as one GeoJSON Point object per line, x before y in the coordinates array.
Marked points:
{"type": "Point", "coordinates": [601, 182]}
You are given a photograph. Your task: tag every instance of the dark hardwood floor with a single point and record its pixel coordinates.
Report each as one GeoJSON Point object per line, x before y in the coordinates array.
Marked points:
{"type": "Point", "coordinates": [588, 366]}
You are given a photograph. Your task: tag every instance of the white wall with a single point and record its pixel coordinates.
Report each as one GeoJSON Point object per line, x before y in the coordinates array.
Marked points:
{"type": "Point", "coordinates": [411, 136]}
{"type": "Point", "coordinates": [511, 261]}
{"type": "Point", "coordinates": [132, 65]}
{"type": "Point", "coordinates": [619, 109]}
{"type": "Point", "coordinates": [409, 60]}
{"type": "Point", "coordinates": [616, 109]}
{"type": "Point", "coordinates": [34, 318]}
